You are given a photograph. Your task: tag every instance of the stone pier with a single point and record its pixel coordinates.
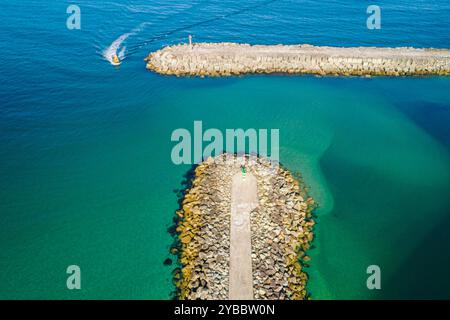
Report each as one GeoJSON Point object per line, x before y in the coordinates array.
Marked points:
{"type": "Point", "coordinates": [243, 238]}
{"type": "Point", "coordinates": [226, 59]}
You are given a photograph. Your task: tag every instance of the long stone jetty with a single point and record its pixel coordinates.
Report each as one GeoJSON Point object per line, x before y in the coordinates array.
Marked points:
{"type": "Point", "coordinates": [243, 235]}
{"type": "Point", "coordinates": [226, 59]}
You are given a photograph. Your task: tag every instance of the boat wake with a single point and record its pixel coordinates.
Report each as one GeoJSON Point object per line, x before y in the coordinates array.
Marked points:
{"type": "Point", "coordinates": [117, 47]}
{"type": "Point", "coordinates": [116, 52]}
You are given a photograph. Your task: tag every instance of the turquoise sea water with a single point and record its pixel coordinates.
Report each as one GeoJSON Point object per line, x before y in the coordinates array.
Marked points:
{"type": "Point", "coordinates": [86, 174]}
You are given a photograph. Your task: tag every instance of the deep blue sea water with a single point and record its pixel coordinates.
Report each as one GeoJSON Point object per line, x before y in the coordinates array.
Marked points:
{"type": "Point", "coordinates": [85, 171]}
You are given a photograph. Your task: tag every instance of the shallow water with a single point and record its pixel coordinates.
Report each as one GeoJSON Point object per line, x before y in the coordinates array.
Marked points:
{"type": "Point", "coordinates": [85, 163]}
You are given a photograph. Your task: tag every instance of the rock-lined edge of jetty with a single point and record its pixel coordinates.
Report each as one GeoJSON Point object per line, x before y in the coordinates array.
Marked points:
{"type": "Point", "coordinates": [227, 59]}
{"type": "Point", "coordinates": [281, 226]}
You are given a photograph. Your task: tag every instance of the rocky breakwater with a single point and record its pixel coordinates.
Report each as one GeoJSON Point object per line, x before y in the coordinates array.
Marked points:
{"type": "Point", "coordinates": [226, 59]}
{"type": "Point", "coordinates": [281, 231]}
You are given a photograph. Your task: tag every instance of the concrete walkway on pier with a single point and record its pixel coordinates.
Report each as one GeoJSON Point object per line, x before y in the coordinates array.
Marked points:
{"type": "Point", "coordinates": [244, 198]}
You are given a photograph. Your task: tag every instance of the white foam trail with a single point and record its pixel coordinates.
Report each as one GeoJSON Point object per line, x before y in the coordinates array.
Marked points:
{"type": "Point", "coordinates": [122, 53]}
{"type": "Point", "coordinates": [112, 49]}
{"type": "Point", "coordinates": [115, 46]}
